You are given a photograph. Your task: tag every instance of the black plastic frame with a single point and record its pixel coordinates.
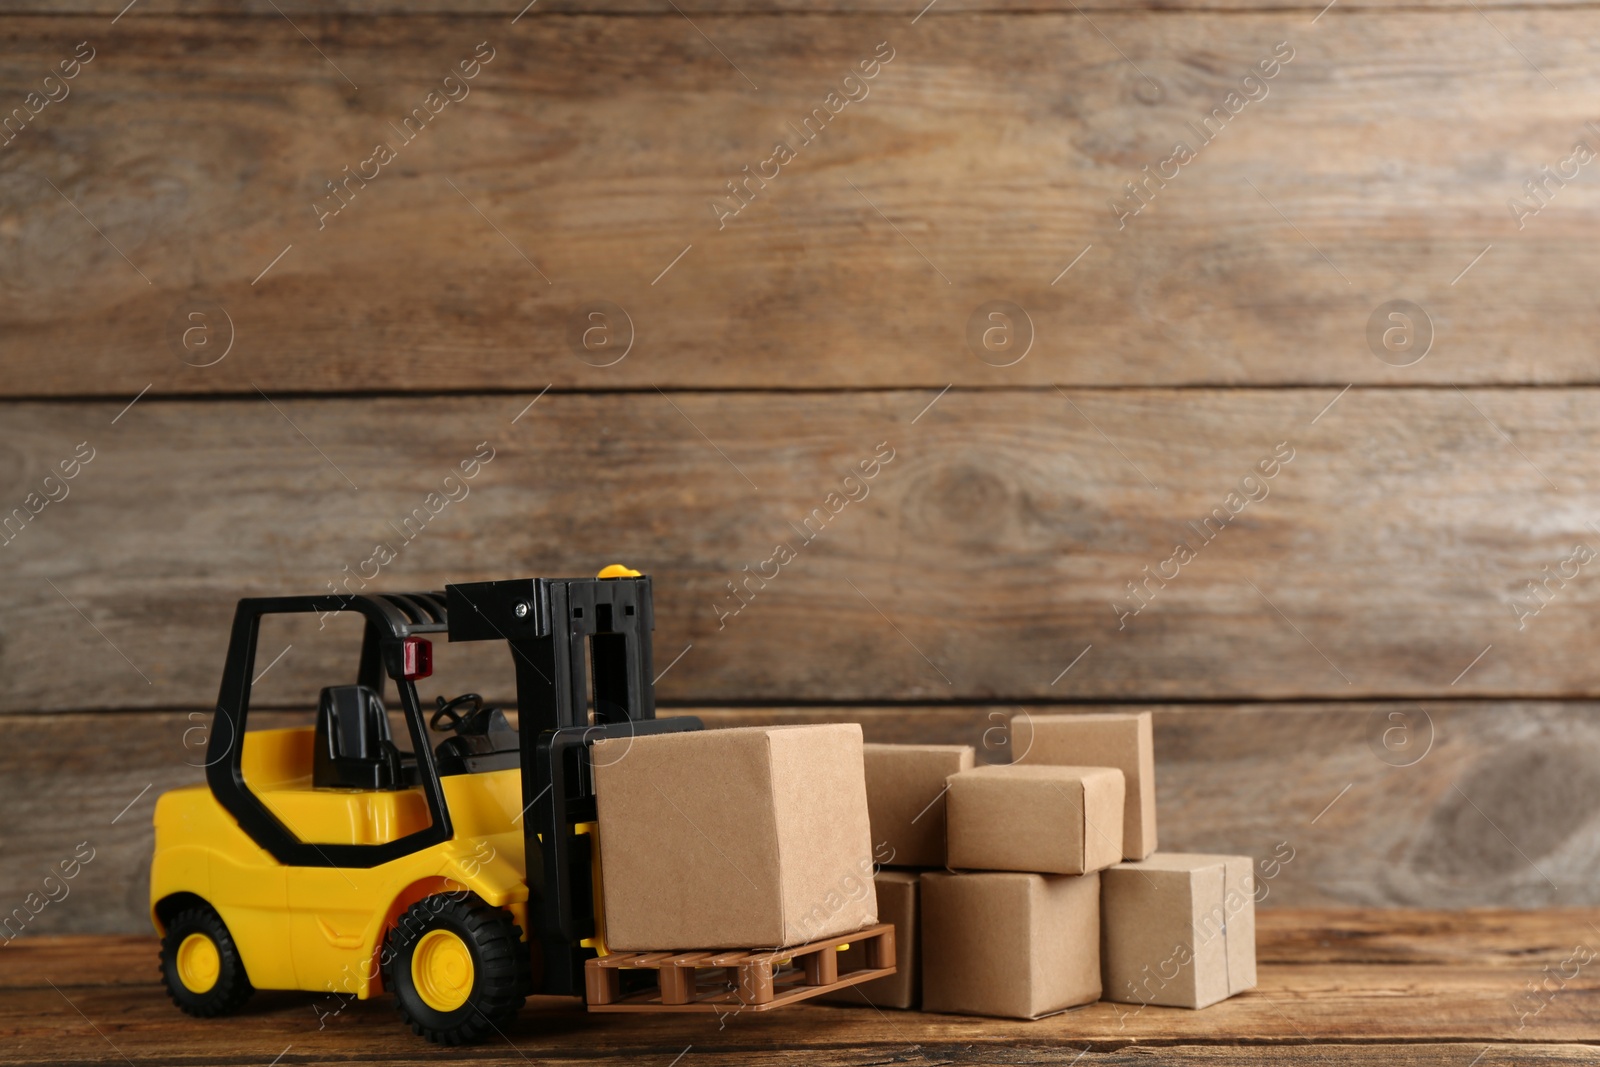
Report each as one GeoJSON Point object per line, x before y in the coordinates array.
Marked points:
{"type": "Point", "coordinates": [389, 619]}
{"type": "Point", "coordinates": [554, 627]}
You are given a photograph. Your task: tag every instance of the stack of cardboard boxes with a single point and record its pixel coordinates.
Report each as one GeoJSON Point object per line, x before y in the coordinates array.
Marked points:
{"type": "Point", "coordinates": [1015, 890]}
{"type": "Point", "coordinates": [1035, 886]}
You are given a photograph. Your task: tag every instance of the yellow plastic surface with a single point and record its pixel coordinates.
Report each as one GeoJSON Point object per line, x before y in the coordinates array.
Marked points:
{"type": "Point", "coordinates": [617, 570]}
{"type": "Point", "coordinates": [322, 928]}
{"type": "Point", "coordinates": [272, 758]}
{"type": "Point", "coordinates": [277, 768]}
{"type": "Point", "coordinates": [441, 970]}
{"type": "Point", "coordinates": [348, 817]}
{"type": "Point", "coordinates": [199, 963]}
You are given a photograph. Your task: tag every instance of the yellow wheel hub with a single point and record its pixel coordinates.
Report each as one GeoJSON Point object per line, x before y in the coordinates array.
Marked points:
{"type": "Point", "coordinates": [441, 970]}
{"type": "Point", "coordinates": [199, 963]}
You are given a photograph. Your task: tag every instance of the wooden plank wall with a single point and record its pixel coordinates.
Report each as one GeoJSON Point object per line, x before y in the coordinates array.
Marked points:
{"type": "Point", "coordinates": [256, 381]}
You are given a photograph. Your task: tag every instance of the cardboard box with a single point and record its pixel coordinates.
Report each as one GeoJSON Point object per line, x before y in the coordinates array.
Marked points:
{"type": "Point", "coordinates": [1125, 741]}
{"type": "Point", "coordinates": [746, 838]}
{"type": "Point", "coordinates": [905, 787]}
{"type": "Point", "coordinates": [1052, 820]}
{"type": "Point", "coordinates": [1016, 945]}
{"type": "Point", "coordinates": [897, 903]}
{"type": "Point", "coordinates": [1179, 929]}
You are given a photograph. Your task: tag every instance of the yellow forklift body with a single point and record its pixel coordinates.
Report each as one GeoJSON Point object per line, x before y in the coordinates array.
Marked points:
{"type": "Point", "coordinates": [322, 928]}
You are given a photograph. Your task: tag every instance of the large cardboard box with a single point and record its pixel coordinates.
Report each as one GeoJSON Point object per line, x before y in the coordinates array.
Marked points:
{"type": "Point", "coordinates": [744, 838]}
{"type": "Point", "coordinates": [905, 796]}
{"type": "Point", "coordinates": [1124, 740]}
{"type": "Point", "coordinates": [1052, 820]}
{"type": "Point", "coordinates": [1179, 929]}
{"type": "Point", "coordinates": [897, 904]}
{"type": "Point", "coordinates": [1016, 945]}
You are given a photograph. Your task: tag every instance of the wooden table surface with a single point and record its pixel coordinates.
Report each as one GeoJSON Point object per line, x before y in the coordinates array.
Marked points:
{"type": "Point", "coordinates": [1347, 986]}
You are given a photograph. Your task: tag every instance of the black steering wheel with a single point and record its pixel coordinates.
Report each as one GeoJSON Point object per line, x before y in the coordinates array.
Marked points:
{"type": "Point", "coordinates": [447, 715]}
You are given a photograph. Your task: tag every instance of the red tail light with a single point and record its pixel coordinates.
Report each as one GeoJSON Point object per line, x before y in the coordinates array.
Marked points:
{"type": "Point", "coordinates": [416, 658]}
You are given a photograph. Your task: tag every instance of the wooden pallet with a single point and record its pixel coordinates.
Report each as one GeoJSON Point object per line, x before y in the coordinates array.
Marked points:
{"type": "Point", "coordinates": [724, 980]}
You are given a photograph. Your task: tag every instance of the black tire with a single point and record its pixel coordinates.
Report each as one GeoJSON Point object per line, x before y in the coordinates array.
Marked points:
{"type": "Point", "coordinates": [231, 987]}
{"type": "Point", "coordinates": [500, 972]}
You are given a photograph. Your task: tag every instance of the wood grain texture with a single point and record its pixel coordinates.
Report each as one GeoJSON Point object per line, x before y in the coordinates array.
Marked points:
{"type": "Point", "coordinates": [984, 161]}
{"type": "Point", "coordinates": [1309, 1012]}
{"type": "Point", "coordinates": [311, 15]}
{"type": "Point", "coordinates": [1478, 937]}
{"type": "Point", "coordinates": [1500, 810]}
{"type": "Point", "coordinates": [994, 547]}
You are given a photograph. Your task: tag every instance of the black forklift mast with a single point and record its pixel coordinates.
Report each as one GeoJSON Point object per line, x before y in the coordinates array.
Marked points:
{"type": "Point", "coordinates": [568, 637]}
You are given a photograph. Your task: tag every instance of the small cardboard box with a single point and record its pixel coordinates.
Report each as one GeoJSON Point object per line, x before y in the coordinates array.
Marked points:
{"type": "Point", "coordinates": [1124, 740]}
{"type": "Point", "coordinates": [1179, 929]}
{"type": "Point", "coordinates": [1015, 945]}
{"type": "Point", "coordinates": [897, 904]}
{"type": "Point", "coordinates": [1052, 820]}
{"type": "Point", "coordinates": [753, 837]}
{"type": "Point", "coordinates": [905, 795]}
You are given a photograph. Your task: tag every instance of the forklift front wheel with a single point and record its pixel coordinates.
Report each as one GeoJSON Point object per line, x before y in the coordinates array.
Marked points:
{"type": "Point", "coordinates": [201, 965]}
{"type": "Point", "coordinates": [457, 966]}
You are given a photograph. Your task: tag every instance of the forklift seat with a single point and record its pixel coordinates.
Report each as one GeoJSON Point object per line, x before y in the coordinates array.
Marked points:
{"type": "Point", "coordinates": [353, 746]}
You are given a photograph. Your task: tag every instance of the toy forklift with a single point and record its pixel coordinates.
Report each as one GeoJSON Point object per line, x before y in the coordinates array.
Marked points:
{"type": "Point", "coordinates": [327, 858]}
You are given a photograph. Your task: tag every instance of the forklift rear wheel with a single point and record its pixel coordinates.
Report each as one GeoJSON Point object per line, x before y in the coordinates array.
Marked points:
{"type": "Point", "coordinates": [457, 966]}
{"type": "Point", "coordinates": [201, 965]}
